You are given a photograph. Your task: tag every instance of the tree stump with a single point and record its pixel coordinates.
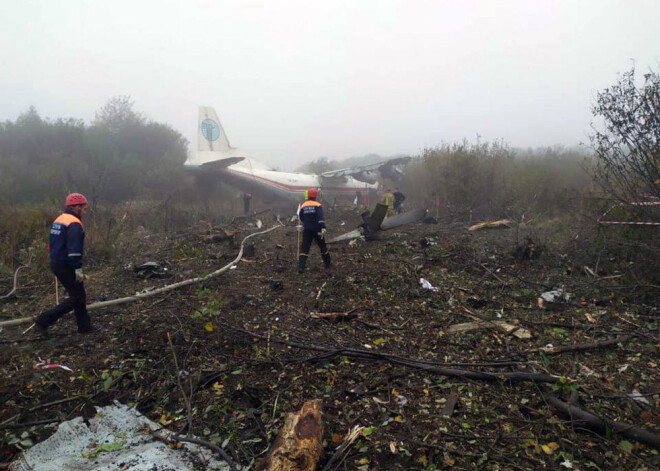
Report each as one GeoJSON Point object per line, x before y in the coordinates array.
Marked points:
{"type": "Point", "coordinates": [299, 443]}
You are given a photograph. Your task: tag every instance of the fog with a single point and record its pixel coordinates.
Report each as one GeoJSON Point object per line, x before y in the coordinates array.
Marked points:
{"type": "Point", "coordinates": [295, 80]}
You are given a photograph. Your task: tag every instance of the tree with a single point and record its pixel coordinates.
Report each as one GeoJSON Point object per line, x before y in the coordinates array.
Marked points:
{"type": "Point", "coordinates": [628, 148]}
{"type": "Point", "coordinates": [118, 114]}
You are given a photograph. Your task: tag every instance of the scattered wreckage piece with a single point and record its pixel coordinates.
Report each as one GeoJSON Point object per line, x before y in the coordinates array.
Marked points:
{"type": "Point", "coordinates": [152, 270]}
{"type": "Point", "coordinates": [117, 434]}
{"type": "Point", "coordinates": [501, 224]}
{"type": "Point", "coordinates": [554, 300]}
{"type": "Point", "coordinates": [374, 222]}
{"type": "Point", "coordinates": [506, 327]}
{"type": "Point", "coordinates": [299, 443]}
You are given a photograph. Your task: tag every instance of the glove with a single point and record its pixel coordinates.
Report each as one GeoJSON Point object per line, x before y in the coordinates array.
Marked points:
{"type": "Point", "coordinates": [79, 275]}
{"type": "Point", "coordinates": [323, 231]}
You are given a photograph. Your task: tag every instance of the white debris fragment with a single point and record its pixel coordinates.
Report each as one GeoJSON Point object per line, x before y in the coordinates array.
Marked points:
{"type": "Point", "coordinates": [117, 434]}
{"type": "Point", "coordinates": [624, 368]}
{"type": "Point", "coordinates": [549, 346]}
{"type": "Point", "coordinates": [636, 396]}
{"type": "Point", "coordinates": [401, 400]}
{"type": "Point", "coordinates": [427, 285]}
{"type": "Point", "coordinates": [259, 224]}
{"type": "Point", "coordinates": [566, 464]}
{"type": "Point", "coordinates": [554, 297]}
{"type": "Point", "coordinates": [586, 371]}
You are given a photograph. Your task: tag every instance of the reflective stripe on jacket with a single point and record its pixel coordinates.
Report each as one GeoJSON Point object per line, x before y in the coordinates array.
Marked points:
{"type": "Point", "coordinates": [311, 216]}
{"type": "Point", "coordinates": [66, 240]}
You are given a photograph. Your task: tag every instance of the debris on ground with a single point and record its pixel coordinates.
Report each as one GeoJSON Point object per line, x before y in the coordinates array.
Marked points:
{"type": "Point", "coordinates": [117, 437]}
{"type": "Point", "coordinates": [389, 380]}
{"type": "Point", "coordinates": [152, 269]}
{"type": "Point", "coordinates": [555, 299]}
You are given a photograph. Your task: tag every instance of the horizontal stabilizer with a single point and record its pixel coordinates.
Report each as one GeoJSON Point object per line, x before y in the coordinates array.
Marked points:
{"type": "Point", "coordinates": [222, 163]}
{"type": "Point", "coordinates": [403, 219]}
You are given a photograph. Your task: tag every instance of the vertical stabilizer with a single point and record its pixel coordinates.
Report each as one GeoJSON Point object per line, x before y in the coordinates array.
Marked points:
{"type": "Point", "coordinates": [210, 135]}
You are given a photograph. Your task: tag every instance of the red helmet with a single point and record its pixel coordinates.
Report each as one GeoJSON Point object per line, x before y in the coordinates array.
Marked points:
{"type": "Point", "coordinates": [75, 199]}
{"type": "Point", "coordinates": [312, 193]}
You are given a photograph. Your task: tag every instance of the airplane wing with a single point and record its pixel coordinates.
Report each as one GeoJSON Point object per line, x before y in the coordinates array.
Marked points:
{"type": "Point", "coordinates": [365, 173]}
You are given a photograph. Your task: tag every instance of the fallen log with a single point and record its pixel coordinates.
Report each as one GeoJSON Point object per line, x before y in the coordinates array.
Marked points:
{"type": "Point", "coordinates": [585, 346]}
{"type": "Point", "coordinates": [505, 327]}
{"type": "Point", "coordinates": [299, 443]}
{"type": "Point", "coordinates": [164, 289]}
{"type": "Point", "coordinates": [335, 317]}
{"type": "Point", "coordinates": [501, 224]}
{"type": "Point", "coordinates": [600, 425]}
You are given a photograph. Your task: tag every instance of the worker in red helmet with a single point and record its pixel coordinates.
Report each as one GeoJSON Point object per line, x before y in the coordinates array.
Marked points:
{"type": "Point", "coordinates": [66, 242]}
{"type": "Point", "coordinates": [314, 229]}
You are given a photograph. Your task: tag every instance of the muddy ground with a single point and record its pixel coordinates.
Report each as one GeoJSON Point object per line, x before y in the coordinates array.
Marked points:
{"type": "Point", "coordinates": [250, 348]}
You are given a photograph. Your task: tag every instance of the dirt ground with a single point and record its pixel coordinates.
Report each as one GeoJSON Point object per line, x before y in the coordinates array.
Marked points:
{"type": "Point", "coordinates": [251, 348]}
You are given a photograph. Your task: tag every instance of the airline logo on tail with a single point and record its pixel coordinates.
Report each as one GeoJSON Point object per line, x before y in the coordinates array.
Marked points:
{"type": "Point", "coordinates": [210, 130]}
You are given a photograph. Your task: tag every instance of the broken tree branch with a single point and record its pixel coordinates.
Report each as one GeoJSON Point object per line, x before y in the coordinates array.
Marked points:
{"type": "Point", "coordinates": [585, 346]}
{"type": "Point", "coordinates": [586, 419]}
{"type": "Point", "coordinates": [515, 376]}
{"type": "Point", "coordinates": [179, 438]}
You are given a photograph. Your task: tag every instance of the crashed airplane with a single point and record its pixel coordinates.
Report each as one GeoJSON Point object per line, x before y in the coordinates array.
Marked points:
{"type": "Point", "coordinates": [215, 156]}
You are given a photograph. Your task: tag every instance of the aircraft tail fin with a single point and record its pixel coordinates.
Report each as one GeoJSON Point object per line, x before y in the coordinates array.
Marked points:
{"type": "Point", "coordinates": [210, 135]}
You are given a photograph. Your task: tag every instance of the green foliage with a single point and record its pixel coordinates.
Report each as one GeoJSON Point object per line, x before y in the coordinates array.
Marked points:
{"type": "Point", "coordinates": [121, 156]}
{"type": "Point", "coordinates": [494, 180]}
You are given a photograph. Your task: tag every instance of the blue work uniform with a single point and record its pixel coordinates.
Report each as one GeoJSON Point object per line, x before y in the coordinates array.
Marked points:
{"type": "Point", "coordinates": [311, 216]}
{"type": "Point", "coordinates": [66, 242]}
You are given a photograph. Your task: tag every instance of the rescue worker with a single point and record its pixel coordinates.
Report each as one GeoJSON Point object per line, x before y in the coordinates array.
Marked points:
{"type": "Point", "coordinates": [66, 242]}
{"type": "Point", "coordinates": [311, 216]}
{"type": "Point", "coordinates": [398, 201]}
{"type": "Point", "coordinates": [388, 200]}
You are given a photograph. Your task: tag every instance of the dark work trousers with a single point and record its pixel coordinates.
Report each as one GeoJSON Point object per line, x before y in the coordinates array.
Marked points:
{"type": "Point", "coordinates": [75, 302]}
{"type": "Point", "coordinates": [307, 238]}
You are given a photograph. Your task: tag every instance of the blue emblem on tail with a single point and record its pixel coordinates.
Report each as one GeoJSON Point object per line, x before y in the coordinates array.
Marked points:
{"type": "Point", "coordinates": [210, 130]}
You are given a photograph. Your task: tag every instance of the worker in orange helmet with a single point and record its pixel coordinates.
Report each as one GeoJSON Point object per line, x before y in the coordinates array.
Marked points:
{"type": "Point", "coordinates": [314, 229]}
{"type": "Point", "coordinates": [66, 242]}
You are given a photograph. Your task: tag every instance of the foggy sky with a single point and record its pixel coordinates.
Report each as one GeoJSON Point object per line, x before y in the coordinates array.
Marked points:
{"type": "Point", "coordinates": [295, 80]}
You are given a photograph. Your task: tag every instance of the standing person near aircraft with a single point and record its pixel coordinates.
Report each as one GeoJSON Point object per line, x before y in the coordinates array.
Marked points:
{"type": "Point", "coordinates": [66, 242]}
{"type": "Point", "coordinates": [247, 199]}
{"type": "Point", "coordinates": [314, 229]}
{"type": "Point", "coordinates": [388, 200]}
{"type": "Point", "coordinates": [398, 201]}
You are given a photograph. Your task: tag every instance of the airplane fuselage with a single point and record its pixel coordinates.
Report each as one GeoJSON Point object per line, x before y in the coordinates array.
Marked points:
{"type": "Point", "coordinates": [287, 185]}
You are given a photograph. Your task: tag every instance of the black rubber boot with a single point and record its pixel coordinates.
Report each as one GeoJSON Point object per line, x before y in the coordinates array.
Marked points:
{"type": "Point", "coordinates": [302, 261]}
{"type": "Point", "coordinates": [42, 329]}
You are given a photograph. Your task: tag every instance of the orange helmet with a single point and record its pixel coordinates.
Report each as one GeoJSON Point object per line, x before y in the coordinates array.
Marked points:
{"type": "Point", "coordinates": [75, 199]}
{"type": "Point", "coordinates": [312, 193]}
